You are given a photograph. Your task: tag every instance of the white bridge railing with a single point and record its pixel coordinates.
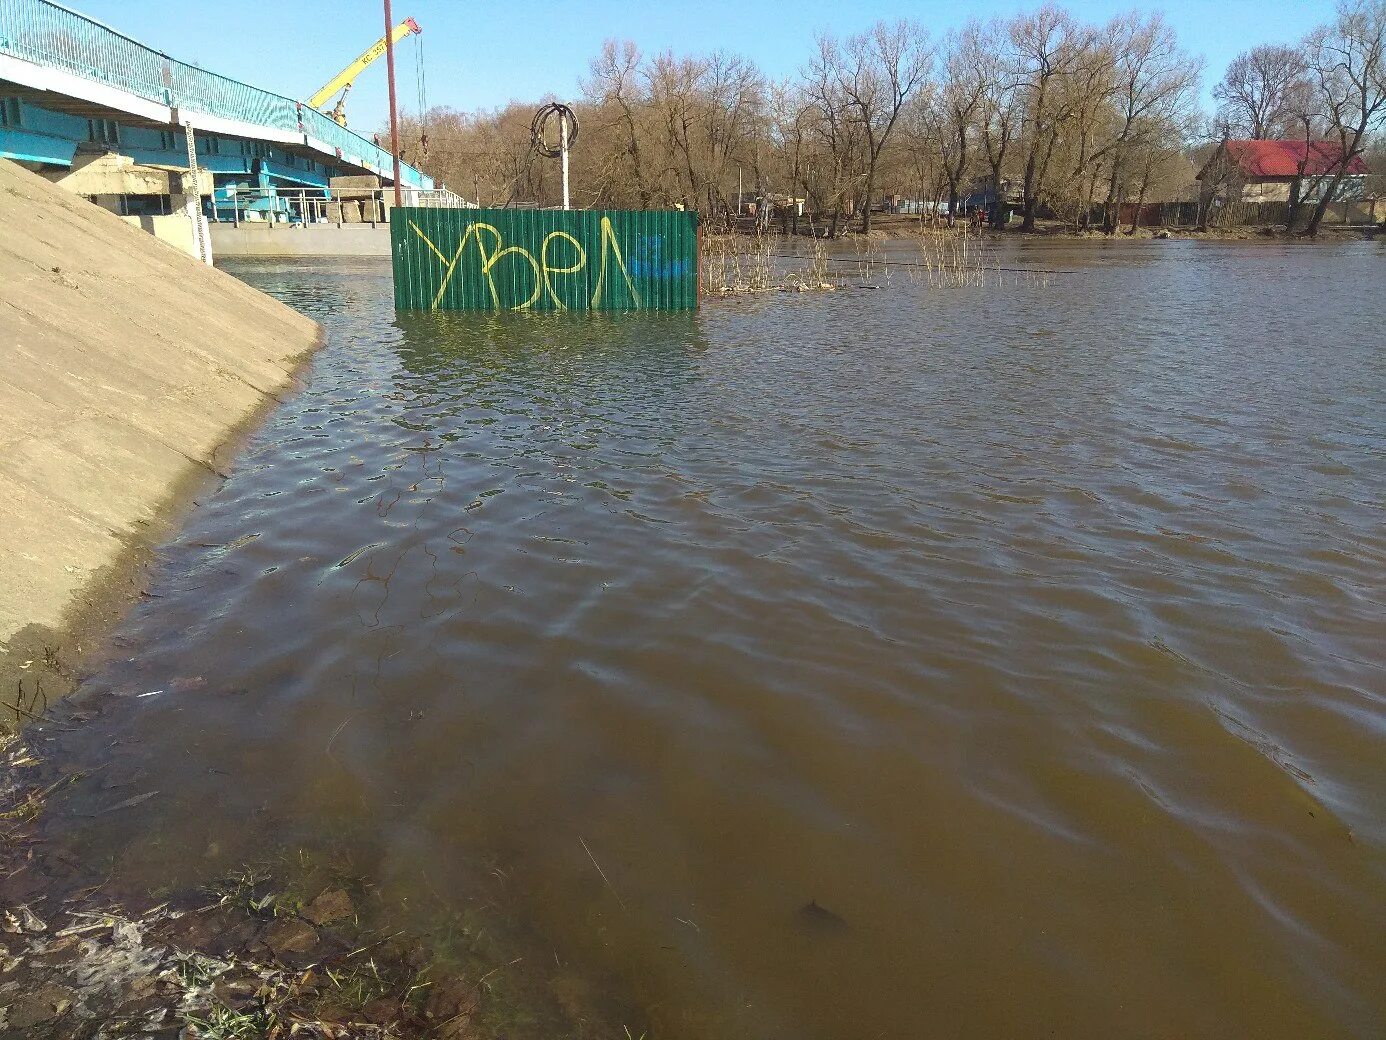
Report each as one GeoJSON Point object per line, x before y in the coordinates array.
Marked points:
{"type": "Point", "coordinates": [306, 206]}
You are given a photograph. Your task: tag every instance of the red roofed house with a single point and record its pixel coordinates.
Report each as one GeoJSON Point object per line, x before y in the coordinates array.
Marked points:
{"type": "Point", "coordinates": [1268, 171]}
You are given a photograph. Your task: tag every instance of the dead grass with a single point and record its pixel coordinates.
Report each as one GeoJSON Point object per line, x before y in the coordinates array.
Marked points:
{"type": "Point", "coordinates": [735, 264]}
{"type": "Point", "coordinates": [941, 258]}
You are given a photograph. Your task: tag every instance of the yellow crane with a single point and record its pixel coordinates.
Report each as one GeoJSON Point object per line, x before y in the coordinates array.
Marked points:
{"type": "Point", "coordinates": [344, 79]}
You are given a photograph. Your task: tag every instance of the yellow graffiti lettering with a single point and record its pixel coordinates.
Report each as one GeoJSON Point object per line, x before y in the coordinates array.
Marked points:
{"type": "Point", "coordinates": [486, 261]}
{"type": "Point", "coordinates": [550, 269]}
{"type": "Point", "coordinates": [450, 266]}
{"type": "Point", "coordinates": [609, 239]}
{"type": "Point", "coordinates": [533, 263]}
{"type": "Point", "coordinates": [543, 269]}
{"type": "Point", "coordinates": [436, 251]}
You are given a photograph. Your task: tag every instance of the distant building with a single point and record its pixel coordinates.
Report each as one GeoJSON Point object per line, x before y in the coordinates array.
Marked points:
{"type": "Point", "coordinates": [1281, 170]}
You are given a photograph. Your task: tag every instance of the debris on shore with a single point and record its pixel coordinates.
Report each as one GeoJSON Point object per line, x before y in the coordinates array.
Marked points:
{"type": "Point", "coordinates": [255, 954]}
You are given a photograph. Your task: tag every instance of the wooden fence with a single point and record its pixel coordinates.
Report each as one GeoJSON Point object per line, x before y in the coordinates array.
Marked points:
{"type": "Point", "coordinates": [1247, 214]}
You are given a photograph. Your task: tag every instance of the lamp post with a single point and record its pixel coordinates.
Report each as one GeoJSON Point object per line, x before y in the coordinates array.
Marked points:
{"type": "Point", "coordinates": [394, 111]}
{"type": "Point", "coordinates": [563, 148]}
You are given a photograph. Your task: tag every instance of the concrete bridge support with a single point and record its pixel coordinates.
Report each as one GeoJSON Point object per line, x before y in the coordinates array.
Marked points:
{"type": "Point", "coordinates": [165, 201]}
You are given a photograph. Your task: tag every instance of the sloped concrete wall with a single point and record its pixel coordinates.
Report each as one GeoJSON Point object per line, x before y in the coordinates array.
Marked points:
{"type": "Point", "coordinates": [124, 366]}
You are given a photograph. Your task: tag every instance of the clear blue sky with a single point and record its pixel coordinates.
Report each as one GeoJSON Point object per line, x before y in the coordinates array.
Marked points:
{"type": "Point", "coordinates": [481, 55]}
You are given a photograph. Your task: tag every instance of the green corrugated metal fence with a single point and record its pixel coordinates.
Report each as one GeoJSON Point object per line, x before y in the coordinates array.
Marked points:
{"type": "Point", "coordinates": [544, 260]}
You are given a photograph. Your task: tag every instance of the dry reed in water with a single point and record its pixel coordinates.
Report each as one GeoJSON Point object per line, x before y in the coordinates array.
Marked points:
{"type": "Point", "coordinates": [945, 258]}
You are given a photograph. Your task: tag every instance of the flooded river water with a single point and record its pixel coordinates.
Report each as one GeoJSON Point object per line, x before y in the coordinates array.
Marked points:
{"type": "Point", "coordinates": [898, 662]}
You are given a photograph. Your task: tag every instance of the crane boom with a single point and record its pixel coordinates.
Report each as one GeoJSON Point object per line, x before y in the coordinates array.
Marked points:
{"type": "Point", "coordinates": [343, 79]}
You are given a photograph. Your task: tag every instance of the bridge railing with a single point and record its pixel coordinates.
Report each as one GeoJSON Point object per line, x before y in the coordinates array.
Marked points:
{"type": "Point", "coordinates": [352, 145]}
{"type": "Point", "coordinates": [303, 206]}
{"type": "Point", "coordinates": [55, 36]}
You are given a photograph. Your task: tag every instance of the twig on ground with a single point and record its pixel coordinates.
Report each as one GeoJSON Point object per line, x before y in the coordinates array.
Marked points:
{"type": "Point", "coordinates": [602, 873]}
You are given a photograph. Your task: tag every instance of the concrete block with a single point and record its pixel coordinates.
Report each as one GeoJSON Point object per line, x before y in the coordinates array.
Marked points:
{"type": "Point", "coordinates": [174, 228]}
{"type": "Point", "coordinates": [362, 187]}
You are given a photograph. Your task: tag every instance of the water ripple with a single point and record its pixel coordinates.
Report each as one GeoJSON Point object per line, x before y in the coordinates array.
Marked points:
{"type": "Point", "coordinates": [1037, 634]}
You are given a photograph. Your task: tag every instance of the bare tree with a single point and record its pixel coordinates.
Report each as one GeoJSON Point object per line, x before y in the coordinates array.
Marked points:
{"type": "Point", "coordinates": [1257, 92]}
{"type": "Point", "coordinates": [1153, 165]}
{"type": "Point", "coordinates": [1050, 47]}
{"type": "Point", "coordinates": [1154, 82]}
{"type": "Point", "coordinates": [708, 110]}
{"type": "Point", "coordinates": [613, 85]}
{"type": "Point", "coordinates": [1000, 111]}
{"type": "Point", "coordinates": [1068, 113]}
{"type": "Point", "coordinates": [789, 128]}
{"type": "Point", "coordinates": [673, 91]}
{"type": "Point", "coordinates": [836, 133]}
{"type": "Point", "coordinates": [920, 135]}
{"type": "Point", "coordinates": [877, 73]}
{"type": "Point", "coordinates": [956, 112]}
{"type": "Point", "coordinates": [1347, 65]}
{"type": "Point", "coordinates": [1305, 121]}
{"type": "Point", "coordinates": [735, 121]}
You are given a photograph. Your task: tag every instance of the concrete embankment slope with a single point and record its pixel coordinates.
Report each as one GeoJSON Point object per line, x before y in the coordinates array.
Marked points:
{"type": "Point", "coordinates": [124, 366]}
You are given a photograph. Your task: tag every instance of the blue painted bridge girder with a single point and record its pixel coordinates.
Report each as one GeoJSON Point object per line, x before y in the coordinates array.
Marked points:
{"type": "Point", "coordinates": [66, 80]}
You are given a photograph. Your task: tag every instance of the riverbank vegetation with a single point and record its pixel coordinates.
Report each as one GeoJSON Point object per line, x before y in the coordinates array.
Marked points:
{"type": "Point", "coordinates": [1041, 113]}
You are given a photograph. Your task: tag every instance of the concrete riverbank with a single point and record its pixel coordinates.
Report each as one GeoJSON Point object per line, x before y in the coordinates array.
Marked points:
{"type": "Point", "coordinates": [126, 367]}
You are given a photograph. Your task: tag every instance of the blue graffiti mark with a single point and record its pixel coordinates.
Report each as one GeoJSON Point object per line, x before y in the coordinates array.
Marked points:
{"type": "Point", "coordinates": [647, 260]}
{"type": "Point", "coordinates": [643, 269]}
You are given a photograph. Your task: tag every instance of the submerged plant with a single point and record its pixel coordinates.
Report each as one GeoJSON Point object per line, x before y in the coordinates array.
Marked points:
{"type": "Point", "coordinates": [224, 1023]}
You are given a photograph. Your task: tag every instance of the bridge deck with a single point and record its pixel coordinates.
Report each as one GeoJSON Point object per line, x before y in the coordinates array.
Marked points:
{"type": "Point", "coordinates": [61, 61]}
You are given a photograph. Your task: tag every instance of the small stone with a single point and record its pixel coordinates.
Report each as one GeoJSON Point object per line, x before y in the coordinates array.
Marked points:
{"type": "Point", "coordinates": [288, 936]}
{"type": "Point", "coordinates": [60, 946]}
{"type": "Point", "coordinates": [449, 998]}
{"type": "Point", "coordinates": [382, 1012]}
{"type": "Point", "coordinates": [329, 908]}
{"type": "Point", "coordinates": [456, 1029]}
{"type": "Point", "coordinates": [140, 988]}
{"type": "Point", "coordinates": [140, 1008]}
{"type": "Point", "coordinates": [25, 920]}
{"type": "Point", "coordinates": [43, 1005]}
{"type": "Point", "coordinates": [235, 994]}
{"type": "Point", "coordinates": [32, 922]}
{"type": "Point", "coordinates": [236, 937]}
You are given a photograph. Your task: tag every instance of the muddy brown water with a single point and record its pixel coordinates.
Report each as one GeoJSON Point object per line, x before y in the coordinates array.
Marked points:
{"type": "Point", "coordinates": [898, 662]}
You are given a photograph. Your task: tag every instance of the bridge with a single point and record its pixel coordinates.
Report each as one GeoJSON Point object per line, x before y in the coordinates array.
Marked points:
{"type": "Point", "coordinates": [145, 134]}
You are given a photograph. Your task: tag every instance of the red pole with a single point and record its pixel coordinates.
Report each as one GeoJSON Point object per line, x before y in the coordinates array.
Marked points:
{"type": "Point", "coordinates": [394, 110]}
